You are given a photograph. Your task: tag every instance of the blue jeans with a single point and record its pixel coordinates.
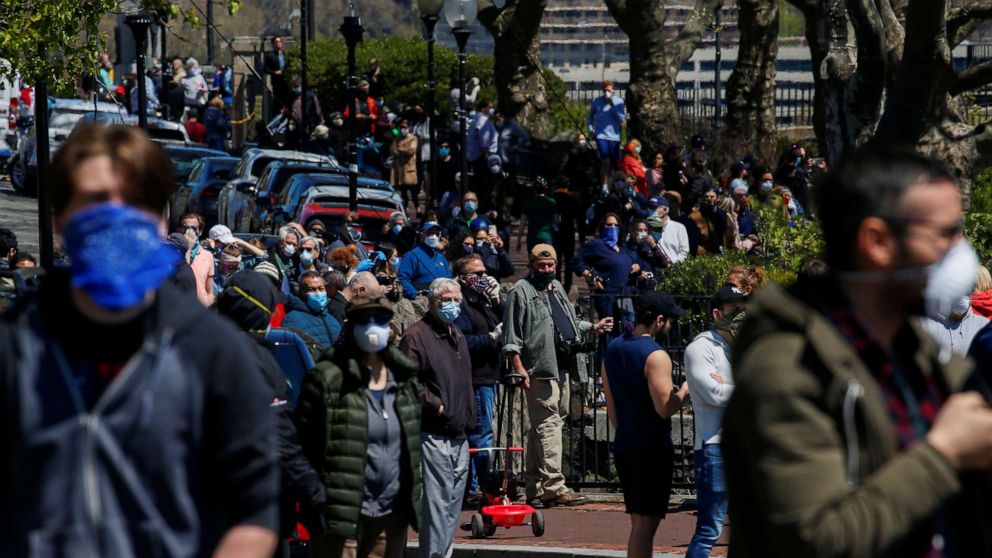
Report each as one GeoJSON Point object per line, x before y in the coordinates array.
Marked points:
{"type": "Point", "coordinates": [482, 435]}
{"type": "Point", "coordinates": [445, 468]}
{"type": "Point", "coordinates": [711, 500]}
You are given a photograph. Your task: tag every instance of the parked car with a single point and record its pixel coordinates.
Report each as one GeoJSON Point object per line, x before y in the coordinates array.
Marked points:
{"type": "Point", "coordinates": [238, 190]}
{"type": "Point", "coordinates": [63, 114]}
{"type": "Point", "coordinates": [184, 158]}
{"type": "Point", "coordinates": [163, 132]}
{"type": "Point", "coordinates": [199, 191]}
{"type": "Point", "coordinates": [270, 184]}
{"type": "Point", "coordinates": [324, 196]}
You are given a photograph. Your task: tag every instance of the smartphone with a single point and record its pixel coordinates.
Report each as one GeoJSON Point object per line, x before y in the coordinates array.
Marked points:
{"type": "Point", "coordinates": [492, 230]}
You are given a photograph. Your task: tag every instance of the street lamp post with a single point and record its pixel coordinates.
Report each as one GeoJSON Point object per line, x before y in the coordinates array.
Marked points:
{"type": "Point", "coordinates": [352, 30]}
{"type": "Point", "coordinates": [305, 16]}
{"type": "Point", "coordinates": [460, 15]}
{"type": "Point", "coordinates": [139, 24]}
{"type": "Point", "coordinates": [429, 9]}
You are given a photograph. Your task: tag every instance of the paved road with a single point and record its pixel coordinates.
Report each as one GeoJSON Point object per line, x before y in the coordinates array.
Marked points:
{"type": "Point", "coordinates": [20, 215]}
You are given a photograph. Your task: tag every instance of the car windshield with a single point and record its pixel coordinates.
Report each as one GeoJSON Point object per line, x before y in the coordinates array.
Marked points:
{"type": "Point", "coordinates": [259, 165]}
{"type": "Point", "coordinates": [166, 134]}
{"type": "Point", "coordinates": [64, 118]}
{"type": "Point", "coordinates": [184, 161]}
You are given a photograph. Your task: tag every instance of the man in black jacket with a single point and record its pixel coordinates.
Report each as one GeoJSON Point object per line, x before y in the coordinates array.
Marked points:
{"type": "Point", "coordinates": [481, 321]}
{"type": "Point", "coordinates": [440, 350]}
{"type": "Point", "coordinates": [135, 422]}
{"type": "Point", "coordinates": [275, 67]}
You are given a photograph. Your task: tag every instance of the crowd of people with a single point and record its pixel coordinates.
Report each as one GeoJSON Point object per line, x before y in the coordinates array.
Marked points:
{"type": "Point", "coordinates": [146, 414]}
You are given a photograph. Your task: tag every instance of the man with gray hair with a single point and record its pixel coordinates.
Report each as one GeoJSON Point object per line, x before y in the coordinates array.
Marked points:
{"type": "Point", "coordinates": [441, 352]}
{"type": "Point", "coordinates": [283, 255]}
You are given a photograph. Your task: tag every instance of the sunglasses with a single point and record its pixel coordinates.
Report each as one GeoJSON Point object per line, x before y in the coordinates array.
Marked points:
{"type": "Point", "coordinates": [366, 319]}
{"type": "Point", "coordinates": [191, 227]}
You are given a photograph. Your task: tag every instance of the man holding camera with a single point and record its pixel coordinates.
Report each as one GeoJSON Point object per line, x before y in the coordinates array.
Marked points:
{"type": "Point", "coordinates": [540, 334]}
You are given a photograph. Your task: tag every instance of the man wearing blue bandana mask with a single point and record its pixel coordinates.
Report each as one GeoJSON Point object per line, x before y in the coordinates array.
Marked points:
{"type": "Point", "coordinates": [107, 372]}
{"type": "Point", "coordinates": [316, 321]}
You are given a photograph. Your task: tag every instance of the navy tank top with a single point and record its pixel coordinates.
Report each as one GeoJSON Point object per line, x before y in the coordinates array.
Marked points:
{"type": "Point", "coordinates": [639, 427]}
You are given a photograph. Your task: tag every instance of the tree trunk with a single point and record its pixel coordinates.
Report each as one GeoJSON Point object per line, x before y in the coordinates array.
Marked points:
{"type": "Point", "coordinates": [652, 105]}
{"type": "Point", "coordinates": [849, 75]}
{"type": "Point", "coordinates": [751, 87]}
{"type": "Point", "coordinates": [517, 57]}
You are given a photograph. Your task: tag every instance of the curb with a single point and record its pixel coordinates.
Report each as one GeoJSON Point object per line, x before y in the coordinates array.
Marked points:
{"type": "Point", "coordinates": [514, 551]}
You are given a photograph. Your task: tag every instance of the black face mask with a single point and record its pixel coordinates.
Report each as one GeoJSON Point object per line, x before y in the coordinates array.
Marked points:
{"type": "Point", "coordinates": [541, 279]}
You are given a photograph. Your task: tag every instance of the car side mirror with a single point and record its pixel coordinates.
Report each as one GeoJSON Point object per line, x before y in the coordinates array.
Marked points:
{"type": "Point", "coordinates": [245, 187]}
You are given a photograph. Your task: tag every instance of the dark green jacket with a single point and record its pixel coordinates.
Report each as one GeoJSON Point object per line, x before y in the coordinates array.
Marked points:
{"type": "Point", "coordinates": [332, 419]}
{"type": "Point", "coordinates": [812, 464]}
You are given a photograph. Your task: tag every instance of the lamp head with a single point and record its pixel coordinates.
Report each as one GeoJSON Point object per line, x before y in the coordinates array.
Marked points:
{"type": "Point", "coordinates": [430, 7]}
{"type": "Point", "coordinates": [460, 14]}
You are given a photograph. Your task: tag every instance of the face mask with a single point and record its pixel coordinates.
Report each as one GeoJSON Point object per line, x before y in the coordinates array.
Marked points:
{"type": "Point", "coordinates": [444, 151]}
{"type": "Point", "coordinates": [470, 207]}
{"type": "Point", "coordinates": [766, 186]}
{"type": "Point", "coordinates": [480, 244]}
{"type": "Point", "coordinates": [306, 257]}
{"type": "Point", "coordinates": [289, 250]}
{"type": "Point", "coordinates": [316, 301]}
{"type": "Point", "coordinates": [637, 150]}
{"type": "Point", "coordinates": [371, 337]}
{"type": "Point", "coordinates": [117, 255]}
{"type": "Point", "coordinates": [611, 235]}
{"type": "Point", "coordinates": [395, 262]}
{"type": "Point", "coordinates": [397, 229]}
{"type": "Point", "coordinates": [630, 191]}
{"type": "Point", "coordinates": [799, 161]}
{"type": "Point", "coordinates": [541, 279]}
{"type": "Point", "coordinates": [228, 261]}
{"type": "Point", "coordinates": [479, 284]}
{"type": "Point", "coordinates": [337, 123]}
{"type": "Point", "coordinates": [297, 90]}
{"type": "Point", "coordinates": [583, 143]}
{"type": "Point", "coordinates": [468, 248]}
{"type": "Point", "coordinates": [950, 280]}
{"type": "Point", "coordinates": [316, 234]}
{"type": "Point", "coordinates": [449, 311]}
{"type": "Point", "coordinates": [432, 241]}
{"type": "Point", "coordinates": [355, 234]}
{"type": "Point", "coordinates": [641, 235]}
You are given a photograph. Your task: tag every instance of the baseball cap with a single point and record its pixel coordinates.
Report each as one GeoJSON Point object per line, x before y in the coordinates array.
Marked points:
{"type": "Point", "coordinates": [179, 241]}
{"type": "Point", "coordinates": [543, 252]}
{"type": "Point", "coordinates": [656, 201]}
{"type": "Point", "coordinates": [222, 234]}
{"type": "Point", "coordinates": [738, 186]}
{"type": "Point", "coordinates": [478, 223]}
{"type": "Point", "coordinates": [659, 304]}
{"type": "Point", "coordinates": [365, 304]}
{"type": "Point", "coordinates": [728, 294]}
{"type": "Point", "coordinates": [430, 225]}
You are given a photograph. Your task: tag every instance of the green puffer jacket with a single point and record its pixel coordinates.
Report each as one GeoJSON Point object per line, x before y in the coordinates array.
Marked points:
{"type": "Point", "coordinates": [332, 419]}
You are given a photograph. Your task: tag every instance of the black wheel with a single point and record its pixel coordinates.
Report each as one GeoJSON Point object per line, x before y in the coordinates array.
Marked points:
{"type": "Point", "coordinates": [490, 526]}
{"type": "Point", "coordinates": [478, 526]}
{"type": "Point", "coordinates": [537, 523]}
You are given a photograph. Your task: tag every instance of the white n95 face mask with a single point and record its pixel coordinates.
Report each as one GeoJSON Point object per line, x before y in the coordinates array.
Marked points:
{"type": "Point", "coordinates": [372, 337]}
{"type": "Point", "coordinates": [950, 280]}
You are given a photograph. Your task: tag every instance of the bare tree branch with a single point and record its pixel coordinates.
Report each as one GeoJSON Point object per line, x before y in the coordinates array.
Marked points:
{"type": "Point", "coordinates": [963, 20]}
{"type": "Point", "coordinates": [972, 77]}
{"type": "Point", "coordinates": [685, 43]}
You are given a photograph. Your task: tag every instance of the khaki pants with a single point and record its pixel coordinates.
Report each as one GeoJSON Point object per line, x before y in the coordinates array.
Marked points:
{"type": "Point", "coordinates": [546, 399]}
{"type": "Point", "coordinates": [380, 537]}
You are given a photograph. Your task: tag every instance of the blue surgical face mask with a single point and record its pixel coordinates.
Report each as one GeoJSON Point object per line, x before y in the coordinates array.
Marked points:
{"type": "Point", "coordinates": [766, 186]}
{"type": "Point", "coordinates": [630, 191]}
{"type": "Point", "coordinates": [371, 337]}
{"type": "Point", "coordinates": [397, 228]}
{"type": "Point", "coordinates": [355, 234]}
{"type": "Point", "coordinates": [637, 150]}
{"type": "Point", "coordinates": [471, 206]}
{"type": "Point", "coordinates": [444, 151]}
{"type": "Point", "coordinates": [306, 257]}
{"type": "Point", "coordinates": [449, 311]}
{"type": "Point", "coordinates": [611, 234]}
{"type": "Point", "coordinates": [117, 255]}
{"type": "Point", "coordinates": [317, 301]}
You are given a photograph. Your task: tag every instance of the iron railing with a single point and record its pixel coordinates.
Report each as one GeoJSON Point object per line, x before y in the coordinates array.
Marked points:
{"type": "Point", "coordinates": [587, 435]}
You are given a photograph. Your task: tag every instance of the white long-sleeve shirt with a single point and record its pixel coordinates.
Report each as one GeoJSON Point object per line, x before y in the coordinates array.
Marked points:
{"type": "Point", "coordinates": [675, 241]}
{"type": "Point", "coordinates": [709, 352]}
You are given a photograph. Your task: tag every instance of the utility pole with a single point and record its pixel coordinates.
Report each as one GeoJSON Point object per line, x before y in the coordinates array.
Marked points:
{"type": "Point", "coordinates": [305, 16]}
{"type": "Point", "coordinates": [717, 57]}
{"type": "Point", "coordinates": [210, 32]}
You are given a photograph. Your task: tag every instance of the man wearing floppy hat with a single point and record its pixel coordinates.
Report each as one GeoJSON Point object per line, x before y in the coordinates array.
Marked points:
{"type": "Point", "coordinates": [539, 327]}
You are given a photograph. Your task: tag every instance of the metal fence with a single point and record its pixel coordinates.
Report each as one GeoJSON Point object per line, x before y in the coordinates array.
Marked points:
{"type": "Point", "coordinates": [587, 435]}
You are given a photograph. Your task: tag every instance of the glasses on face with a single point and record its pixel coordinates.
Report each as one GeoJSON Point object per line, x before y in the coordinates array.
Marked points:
{"type": "Point", "coordinates": [455, 299]}
{"type": "Point", "coordinates": [191, 228]}
{"type": "Point", "coordinates": [950, 232]}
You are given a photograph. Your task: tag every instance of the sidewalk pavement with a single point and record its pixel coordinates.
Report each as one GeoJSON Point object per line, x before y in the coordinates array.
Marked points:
{"type": "Point", "coordinates": [596, 529]}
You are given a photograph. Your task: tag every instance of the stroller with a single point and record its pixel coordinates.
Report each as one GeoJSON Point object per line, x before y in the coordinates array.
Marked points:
{"type": "Point", "coordinates": [500, 486]}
